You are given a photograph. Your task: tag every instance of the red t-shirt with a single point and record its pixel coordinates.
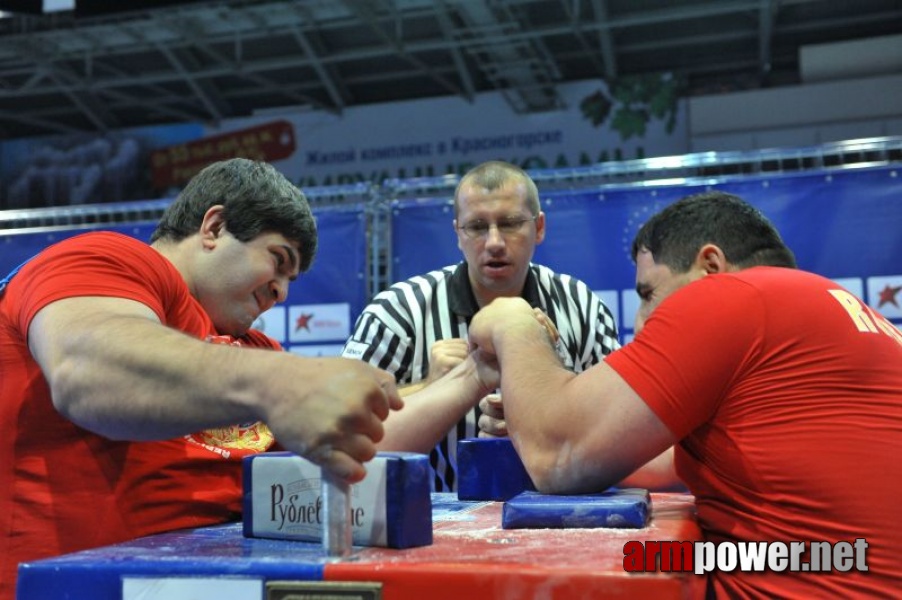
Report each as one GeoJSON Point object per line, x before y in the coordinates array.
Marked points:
{"type": "Point", "coordinates": [787, 395]}
{"type": "Point", "coordinates": [64, 489]}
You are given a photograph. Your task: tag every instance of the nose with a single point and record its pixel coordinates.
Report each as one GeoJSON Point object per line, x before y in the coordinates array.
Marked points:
{"type": "Point", "coordinates": [493, 237]}
{"type": "Point", "coordinates": [278, 289]}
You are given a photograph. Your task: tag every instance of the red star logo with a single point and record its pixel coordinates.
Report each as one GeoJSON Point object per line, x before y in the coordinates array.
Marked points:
{"type": "Point", "coordinates": [303, 322]}
{"type": "Point", "coordinates": [888, 295]}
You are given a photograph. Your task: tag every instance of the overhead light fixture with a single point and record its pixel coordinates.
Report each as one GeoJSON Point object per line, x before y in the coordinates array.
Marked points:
{"type": "Point", "coordinates": [58, 5]}
{"type": "Point", "coordinates": [86, 8]}
{"type": "Point", "coordinates": [35, 7]}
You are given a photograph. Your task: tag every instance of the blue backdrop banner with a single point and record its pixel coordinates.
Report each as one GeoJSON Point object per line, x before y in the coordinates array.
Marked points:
{"type": "Point", "coordinates": [843, 224]}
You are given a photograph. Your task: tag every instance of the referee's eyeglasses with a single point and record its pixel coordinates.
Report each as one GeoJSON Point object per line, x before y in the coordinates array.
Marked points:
{"type": "Point", "coordinates": [479, 229]}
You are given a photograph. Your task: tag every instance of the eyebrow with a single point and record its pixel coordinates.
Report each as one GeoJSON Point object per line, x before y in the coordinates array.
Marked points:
{"type": "Point", "coordinates": [501, 218]}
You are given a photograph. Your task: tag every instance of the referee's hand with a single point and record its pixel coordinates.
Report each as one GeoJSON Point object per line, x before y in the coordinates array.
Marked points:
{"type": "Point", "coordinates": [445, 355]}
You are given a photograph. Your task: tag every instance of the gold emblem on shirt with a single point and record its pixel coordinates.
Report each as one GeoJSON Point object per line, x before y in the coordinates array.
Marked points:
{"type": "Point", "coordinates": [255, 436]}
{"type": "Point", "coordinates": [247, 437]}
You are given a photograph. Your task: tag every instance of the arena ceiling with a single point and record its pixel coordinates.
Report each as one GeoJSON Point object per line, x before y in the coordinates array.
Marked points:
{"type": "Point", "coordinates": [115, 64]}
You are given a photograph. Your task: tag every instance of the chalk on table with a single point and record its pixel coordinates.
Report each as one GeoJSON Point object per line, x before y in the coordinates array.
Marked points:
{"type": "Point", "coordinates": [615, 508]}
{"type": "Point", "coordinates": [391, 507]}
{"type": "Point", "coordinates": [490, 469]}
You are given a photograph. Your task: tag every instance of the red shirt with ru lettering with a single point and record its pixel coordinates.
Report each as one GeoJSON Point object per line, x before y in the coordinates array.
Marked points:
{"type": "Point", "coordinates": [63, 488]}
{"type": "Point", "coordinates": [786, 393]}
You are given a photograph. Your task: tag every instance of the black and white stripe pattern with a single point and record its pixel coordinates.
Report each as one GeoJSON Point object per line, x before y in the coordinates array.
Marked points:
{"type": "Point", "coordinates": [396, 331]}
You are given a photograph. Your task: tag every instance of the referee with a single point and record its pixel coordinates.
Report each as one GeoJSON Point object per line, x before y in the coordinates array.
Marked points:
{"type": "Point", "coordinates": [417, 329]}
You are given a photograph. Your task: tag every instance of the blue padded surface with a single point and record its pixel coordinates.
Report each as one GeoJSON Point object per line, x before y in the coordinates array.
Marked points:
{"type": "Point", "coordinates": [616, 508]}
{"type": "Point", "coordinates": [408, 502]}
{"type": "Point", "coordinates": [221, 550]}
{"type": "Point", "coordinates": [490, 469]}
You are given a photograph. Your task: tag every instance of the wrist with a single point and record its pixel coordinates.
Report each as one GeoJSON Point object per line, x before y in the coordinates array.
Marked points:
{"type": "Point", "coordinates": [474, 385]}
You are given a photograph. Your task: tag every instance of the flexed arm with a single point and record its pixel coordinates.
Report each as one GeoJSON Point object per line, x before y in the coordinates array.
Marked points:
{"type": "Point", "coordinates": [114, 369]}
{"type": "Point", "coordinates": [575, 433]}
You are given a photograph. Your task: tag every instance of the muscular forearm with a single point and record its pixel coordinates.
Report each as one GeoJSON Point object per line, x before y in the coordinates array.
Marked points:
{"type": "Point", "coordinates": [115, 370]}
{"type": "Point", "coordinates": [127, 377]}
{"type": "Point", "coordinates": [532, 384]}
{"type": "Point", "coordinates": [412, 388]}
{"type": "Point", "coordinates": [430, 411]}
{"type": "Point", "coordinates": [575, 433]}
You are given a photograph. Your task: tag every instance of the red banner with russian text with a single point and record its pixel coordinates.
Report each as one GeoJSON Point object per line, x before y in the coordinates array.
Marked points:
{"type": "Point", "coordinates": [173, 166]}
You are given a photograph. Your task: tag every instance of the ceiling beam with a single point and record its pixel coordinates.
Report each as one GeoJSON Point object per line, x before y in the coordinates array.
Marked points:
{"type": "Point", "coordinates": [605, 39]}
{"type": "Point", "coordinates": [339, 98]}
{"type": "Point", "coordinates": [203, 90]}
{"type": "Point", "coordinates": [766, 28]}
{"type": "Point", "coordinates": [396, 47]}
{"type": "Point", "coordinates": [237, 68]}
{"type": "Point", "coordinates": [68, 83]}
{"type": "Point", "coordinates": [573, 10]}
{"type": "Point", "coordinates": [450, 35]}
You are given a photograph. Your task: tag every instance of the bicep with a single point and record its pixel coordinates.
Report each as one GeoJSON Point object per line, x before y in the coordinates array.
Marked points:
{"type": "Point", "coordinates": [75, 325]}
{"type": "Point", "coordinates": [614, 430]}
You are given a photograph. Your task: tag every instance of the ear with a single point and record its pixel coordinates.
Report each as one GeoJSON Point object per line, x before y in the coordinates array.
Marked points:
{"type": "Point", "coordinates": [457, 232]}
{"type": "Point", "coordinates": [213, 225]}
{"type": "Point", "coordinates": [711, 259]}
{"type": "Point", "coordinates": [540, 227]}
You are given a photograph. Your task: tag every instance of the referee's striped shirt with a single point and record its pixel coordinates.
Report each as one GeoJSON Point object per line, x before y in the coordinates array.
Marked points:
{"type": "Point", "coordinates": [396, 331]}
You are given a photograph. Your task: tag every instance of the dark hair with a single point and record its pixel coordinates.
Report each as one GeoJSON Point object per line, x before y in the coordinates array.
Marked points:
{"type": "Point", "coordinates": [676, 234]}
{"type": "Point", "coordinates": [256, 199]}
{"type": "Point", "coordinates": [493, 174]}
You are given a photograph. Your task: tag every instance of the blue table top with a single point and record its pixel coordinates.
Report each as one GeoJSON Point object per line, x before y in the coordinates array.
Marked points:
{"type": "Point", "coordinates": [467, 533]}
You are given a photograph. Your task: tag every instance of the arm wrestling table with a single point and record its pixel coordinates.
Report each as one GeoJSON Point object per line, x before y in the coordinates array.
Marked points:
{"type": "Point", "coordinates": [471, 556]}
